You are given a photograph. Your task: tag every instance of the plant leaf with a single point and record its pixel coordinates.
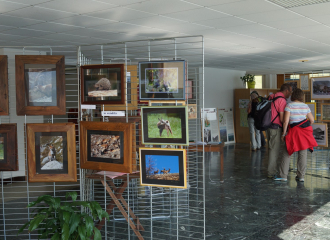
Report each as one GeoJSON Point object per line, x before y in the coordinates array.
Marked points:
{"type": "Point", "coordinates": [82, 232]}
{"type": "Point", "coordinates": [74, 222]}
{"type": "Point", "coordinates": [67, 208]}
{"type": "Point", "coordinates": [73, 195]}
{"type": "Point", "coordinates": [97, 234]}
{"type": "Point", "coordinates": [66, 216]}
{"type": "Point", "coordinates": [56, 236]}
{"type": "Point", "coordinates": [22, 228]}
{"type": "Point", "coordinates": [89, 225]}
{"type": "Point", "coordinates": [57, 202]}
{"type": "Point", "coordinates": [35, 222]}
{"type": "Point", "coordinates": [96, 207]}
{"type": "Point", "coordinates": [65, 232]}
{"type": "Point", "coordinates": [80, 203]}
{"type": "Point", "coordinates": [46, 198]}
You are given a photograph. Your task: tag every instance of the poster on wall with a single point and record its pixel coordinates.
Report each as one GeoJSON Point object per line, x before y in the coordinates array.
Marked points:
{"type": "Point", "coordinates": [243, 103]}
{"type": "Point", "coordinates": [226, 125]}
{"type": "Point", "coordinates": [243, 117]}
{"type": "Point", "coordinates": [210, 124]}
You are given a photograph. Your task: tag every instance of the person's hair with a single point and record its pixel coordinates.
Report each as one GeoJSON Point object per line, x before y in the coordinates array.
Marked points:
{"type": "Point", "coordinates": [285, 86]}
{"type": "Point", "coordinates": [255, 93]}
{"type": "Point", "coordinates": [297, 94]}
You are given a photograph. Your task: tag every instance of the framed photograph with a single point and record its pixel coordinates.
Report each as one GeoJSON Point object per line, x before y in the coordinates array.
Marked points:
{"type": "Point", "coordinates": [192, 111]}
{"type": "Point", "coordinates": [320, 88]}
{"type": "Point", "coordinates": [102, 84]}
{"type": "Point", "coordinates": [165, 125]}
{"type": "Point", "coordinates": [294, 84]}
{"type": "Point", "coordinates": [8, 147]}
{"type": "Point", "coordinates": [325, 112]}
{"type": "Point", "coordinates": [107, 146]}
{"type": "Point", "coordinates": [51, 152]}
{"type": "Point", "coordinates": [305, 82]}
{"type": "Point", "coordinates": [312, 107]}
{"type": "Point", "coordinates": [167, 103]}
{"type": "Point", "coordinates": [131, 101]}
{"type": "Point", "coordinates": [189, 87]}
{"type": "Point", "coordinates": [4, 98]}
{"type": "Point", "coordinates": [40, 85]}
{"type": "Point", "coordinates": [162, 80]}
{"type": "Point", "coordinates": [320, 133]}
{"type": "Point", "coordinates": [163, 167]}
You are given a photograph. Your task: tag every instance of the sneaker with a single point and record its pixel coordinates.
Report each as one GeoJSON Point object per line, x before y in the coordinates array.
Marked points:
{"type": "Point", "coordinates": [253, 149]}
{"type": "Point", "coordinates": [299, 179]}
{"type": "Point", "coordinates": [280, 179]}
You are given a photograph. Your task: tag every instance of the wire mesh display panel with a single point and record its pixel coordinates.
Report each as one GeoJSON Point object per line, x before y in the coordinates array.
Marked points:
{"type": "Point", "coordinates": [164, 213]}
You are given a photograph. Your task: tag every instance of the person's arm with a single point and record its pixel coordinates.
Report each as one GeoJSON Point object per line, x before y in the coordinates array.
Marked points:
{"type": "Point", "coordinates": [310, 117]}
{"type": "Point", "coordinates": [285, 124]}
{"type": "Point", "coordinates": [249, 107]}
{"type": "Point", "coordinates": [281, 116]}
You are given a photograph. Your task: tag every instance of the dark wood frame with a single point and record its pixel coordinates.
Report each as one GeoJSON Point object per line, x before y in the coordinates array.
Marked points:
{"type": "Point", "coordinates": [183, 110]}
{"type": "Point", "coordinates": [127, 145]}
{"type": "Point", "coordinates": [11, 160]}
{"type": "Point", "coordinates": [69, 128]}
{"type": "Point", "coordinates": [4, 98]}
{"type": "Point", "coordinates": [21, 108]}
{"type": "Point", "coordinates": [182, 183]}
{"type": "Point", "coordinates": [122, 84]}
{"type": "Point", "coordinates": [163, 96]}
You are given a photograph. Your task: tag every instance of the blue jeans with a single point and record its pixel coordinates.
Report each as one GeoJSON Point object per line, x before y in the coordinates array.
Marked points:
{"type": "Point", "coordinates": [254, 134]}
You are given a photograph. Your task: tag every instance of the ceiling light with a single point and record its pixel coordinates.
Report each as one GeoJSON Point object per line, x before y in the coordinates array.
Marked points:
{"type": "Point", "coordinates": [304, 60]}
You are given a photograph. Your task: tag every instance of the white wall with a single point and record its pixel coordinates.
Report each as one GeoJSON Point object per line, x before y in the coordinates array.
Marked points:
{"type": "Point", "coordinates": [219, 86]}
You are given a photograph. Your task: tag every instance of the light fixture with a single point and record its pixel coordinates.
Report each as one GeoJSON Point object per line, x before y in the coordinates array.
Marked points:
{"type": "Point", "coordinates": [304, 60]}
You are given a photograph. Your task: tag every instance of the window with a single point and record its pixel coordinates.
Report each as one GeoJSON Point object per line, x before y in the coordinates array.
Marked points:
{"type": "Point", "coordinates": [258, 80]}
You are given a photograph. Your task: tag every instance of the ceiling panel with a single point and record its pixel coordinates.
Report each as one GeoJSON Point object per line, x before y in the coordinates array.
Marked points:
{"type": "Point", "coordinates": [17, 21]}
{"type": "Point", "coordinates": [85, 6]}
{"type": "Point", "coordinates": [26, 32]}
{"type": "Point", "coordinates": [270, 16]}
{"type": "Point", "coordinates": [116, 2]}
{"type": "Point", "coordinates": [40, 14]}
{"type": "Point", "coordinates": [212, 2]}
{"type": "Point", "coordinates": [28, 2]}
{"type": "Point", "coordinates": [10, 6]}
{"type": "Point", "coordinates": [120, 14]}
{"type": "Point", "coordinates": [3, 28]}
{"type": "Point", "coordinates": [163, 7]}
{"type": "Point", "coordinates": [53, 27]}
{"type": "Point", "coordinates": [313, 10]}
{"type": "Point", "coordinates": [325, 19]}
{"type": "Point", "coordinates": [83, 21]}
{"type": "Point", "coordinates": [248, 29]}
{"type": "Point", "coordinates": [224, 22]}
{"type": "Point", "coordinates": [246, 7]}
{"type": "Point", "coordinates": [296, 22]}
{"type": "Point", "coordinates": [195, 15]}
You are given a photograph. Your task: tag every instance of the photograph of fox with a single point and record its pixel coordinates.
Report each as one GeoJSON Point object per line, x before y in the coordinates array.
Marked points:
{"type": "Point", "coordinates": [164, 125]}
{"type": "Point", "coordinates": [161, 167]}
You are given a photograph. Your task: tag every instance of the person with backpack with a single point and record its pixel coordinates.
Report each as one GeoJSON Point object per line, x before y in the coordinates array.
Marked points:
{"type": "Point", "coordinates": [299, 137]}
{"type": "Point", "coordinates": [274, 132]}
{"type": "Point", "coordinates": [254, 133]}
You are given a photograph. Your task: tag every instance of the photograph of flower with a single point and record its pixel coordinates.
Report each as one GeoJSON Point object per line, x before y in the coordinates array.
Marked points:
{"type": "Point", "coordinates": [163, 167]}
{"type": "Point", "coordinates": [320, 88]}
{"type": "Point", "coordinates": [320, 133]}
{"type": "Point", "coordinates": [165, 125]}
{"type": "Point", "coordinates": [41, 86]}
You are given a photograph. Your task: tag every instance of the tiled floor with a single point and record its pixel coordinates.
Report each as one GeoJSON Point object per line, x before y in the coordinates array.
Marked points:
{"type": "Point", "coordinates": [242, 203]}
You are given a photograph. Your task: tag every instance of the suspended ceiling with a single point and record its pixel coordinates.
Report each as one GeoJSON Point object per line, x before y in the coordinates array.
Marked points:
{"type": "Point", "coordinates": [257, 36]}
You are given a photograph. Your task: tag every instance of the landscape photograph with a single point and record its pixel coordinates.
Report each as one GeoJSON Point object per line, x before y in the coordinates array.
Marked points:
{"type": "Point", "coordinates": [162, 167]}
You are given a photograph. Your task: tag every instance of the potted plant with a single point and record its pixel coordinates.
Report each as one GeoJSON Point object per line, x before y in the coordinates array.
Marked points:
{"type": "Point", "coordinates": [64, 220]}
{"type": "Point", "coordinates": [249, 79]}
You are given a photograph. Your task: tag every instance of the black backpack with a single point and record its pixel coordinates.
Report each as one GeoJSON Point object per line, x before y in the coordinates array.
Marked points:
{"type": "Point", "coordinates": [263, 114]}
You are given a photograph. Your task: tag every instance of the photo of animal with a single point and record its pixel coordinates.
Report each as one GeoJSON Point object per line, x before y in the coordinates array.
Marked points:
{"type": "Point", "coordinates": [2, 148]}
{"type": "Point", "coordinates": [40, 83]}
{"type": "Point", "coordinates": [161, 80]}
{"type": "Point", "coordinates": [101, 88]}
{"type": "Point", "coordinates": [321, 87]}
{"type": "Point", "coordinates": [161, 167]}
{"type": "Point", "coordinates": [320, 134]}
{"type": "Point", "coordinates": [105, 146]}
{"type": "Point", "coordinates": [158, 122]}
{"type": "Point", "coordinates": [51, 152]}
{"type": "Point", "coordinates": [192, 111]}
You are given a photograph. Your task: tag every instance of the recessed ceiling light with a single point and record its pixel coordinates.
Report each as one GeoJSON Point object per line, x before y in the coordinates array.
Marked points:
{"type": "Point", "coordinates": [304, 60]}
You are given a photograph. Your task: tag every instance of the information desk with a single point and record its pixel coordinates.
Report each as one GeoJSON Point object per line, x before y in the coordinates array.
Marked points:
{"type": "Point", "coordinates": [117, 198]}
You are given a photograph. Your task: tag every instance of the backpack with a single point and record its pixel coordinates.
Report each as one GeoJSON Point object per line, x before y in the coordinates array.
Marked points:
{"type": "Point", "coordinates": [263, 114]}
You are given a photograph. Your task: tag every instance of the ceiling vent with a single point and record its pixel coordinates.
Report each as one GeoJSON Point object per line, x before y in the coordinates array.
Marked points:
{"type": "Point", "coordinates": [297, 3]}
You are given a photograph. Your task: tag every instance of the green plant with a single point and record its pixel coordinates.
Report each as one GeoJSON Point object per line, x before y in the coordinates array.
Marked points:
{"type": "Point", "coordinates": [65, 220]}
{"type": "Point", "coordinates": [247, 78]}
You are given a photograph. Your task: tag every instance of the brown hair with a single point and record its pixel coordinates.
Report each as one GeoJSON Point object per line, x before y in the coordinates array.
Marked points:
{"type": "Point", "coordinates": [297, 94]}
{"type": "Point", "coordinates": [285, 86]}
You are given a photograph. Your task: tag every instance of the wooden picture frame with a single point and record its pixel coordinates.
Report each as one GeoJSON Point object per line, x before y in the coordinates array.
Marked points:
{"type": "Point", "coordinates": [4, 98]}
{"type": "Point", "coordinates": [189, 89]}
{"type": "Point", "coordinates": [320, 88]}
{"type": "Point", "coordinates": [131, 102]}
{"type": "Point", "coordinates": [305, 82]}
{"type": "Point", "coordinates": [192, 111]}
{"type": "Point", "coordinates": [320, 133]}
{"type": "Point", "coordinates": [102, 84]}
{"type": "Point", "coordinates": [163, 167]}
{"type": "Point", "coordinates": [167, 103]}
{"type": "Point", "coordinates": [8, 147]}
{"type": "Point", "coordinates": [312, 107]}
{"type": "Point", "coordinates": [325, 112]}
{"type": "Point", "coordinates": [40, 85]}
{"type": "Point", "coordinates": [51, 152]}
{"type": "Point", "coordinates": [165, 125]}
{"type": "Point", "coordinates": [107, 146]}
{"type": "Point", "coordinates": [162, 80]}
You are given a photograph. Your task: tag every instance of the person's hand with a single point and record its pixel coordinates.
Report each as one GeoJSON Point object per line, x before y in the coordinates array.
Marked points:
{"type": "Point", "coordinates": [282, 138]}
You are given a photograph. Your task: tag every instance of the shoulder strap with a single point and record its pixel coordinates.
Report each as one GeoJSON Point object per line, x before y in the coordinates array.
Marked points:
{"type": "Point", "coordinates": [278, 113]}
